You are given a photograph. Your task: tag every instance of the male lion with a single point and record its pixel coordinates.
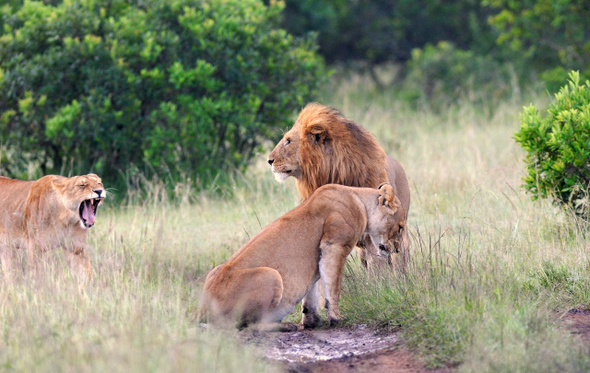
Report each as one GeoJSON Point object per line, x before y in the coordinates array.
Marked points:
{"type": "Point", "coordinates": [43, 214]}
{"type": "Point", "coordinates": [325, 147]}
{"type": "Point", "coordinates": [264, 280]}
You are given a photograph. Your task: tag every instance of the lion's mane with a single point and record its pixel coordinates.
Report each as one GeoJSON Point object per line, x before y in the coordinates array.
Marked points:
{"type": "Point", "coordinates": [334, 149]}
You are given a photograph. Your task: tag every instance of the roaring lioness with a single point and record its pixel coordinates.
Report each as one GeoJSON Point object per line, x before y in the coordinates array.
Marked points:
{"type": "Point", "coordinates": [264, 280]}
{"type": "Point", "coordinates": [43, 214]}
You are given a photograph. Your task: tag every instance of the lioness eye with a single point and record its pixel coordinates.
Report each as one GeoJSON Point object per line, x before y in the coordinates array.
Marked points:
{"type": "Point", "coordinates": [287, 142]}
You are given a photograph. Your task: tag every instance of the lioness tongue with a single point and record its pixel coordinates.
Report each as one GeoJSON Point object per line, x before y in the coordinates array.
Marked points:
{"type": "Point", "coordinates": [88, 212]}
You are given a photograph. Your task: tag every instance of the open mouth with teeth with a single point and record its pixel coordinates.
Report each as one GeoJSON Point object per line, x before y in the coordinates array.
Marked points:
{"type": "Point", "coordinates": [87, 211]}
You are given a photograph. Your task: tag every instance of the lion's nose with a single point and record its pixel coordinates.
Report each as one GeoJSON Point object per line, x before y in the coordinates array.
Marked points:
{"type": "Point", "coordinates": [98, 191]}
{"type": "Point", "coordinates": [271, 161]}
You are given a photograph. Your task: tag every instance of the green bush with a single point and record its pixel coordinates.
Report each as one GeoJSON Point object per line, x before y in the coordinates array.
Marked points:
{"type": "Point", "coordinates": [388, 30]}
{"type": "Point", "coordinates": [551, 36]}
{"type": "Point", "coordinates": [443, 74]}
{"type": "Point", "coordinates": [188, 87]}
{"type": "Point", "coordinates": [558, 147]}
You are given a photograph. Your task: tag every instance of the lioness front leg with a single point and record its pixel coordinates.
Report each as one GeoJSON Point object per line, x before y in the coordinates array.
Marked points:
{"type": "Point", "coordinates": [332, 261]}
{"type": "Point", "coordinates": [310, 307]}
{"type": "Point", "coordinates": [399, 259]}
{"type": "Point", "coordinates": [6, 260]}
{"type": "Point", "coordinates": [33, 252]}
{"type": "Point", "coordinates": [79, 263]}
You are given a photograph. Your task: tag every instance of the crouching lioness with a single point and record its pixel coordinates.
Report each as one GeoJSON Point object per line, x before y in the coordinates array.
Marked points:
{"type": "Point", "coordinates": [54, 211]}
{"type": "Point", "coordinates": [264, 280]}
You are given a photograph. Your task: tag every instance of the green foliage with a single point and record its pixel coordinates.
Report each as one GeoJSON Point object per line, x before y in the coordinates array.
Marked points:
{"type": "Point", "coordinates": [558, 147]}
{"type": "Point", "coordinates": [548, 33]}
{"type": "Point", "coordinates": [187, 86]}
{"type": "Point", "coordinates": [382, 31]}
{"type": "Point", "coordinates": [443, 74]}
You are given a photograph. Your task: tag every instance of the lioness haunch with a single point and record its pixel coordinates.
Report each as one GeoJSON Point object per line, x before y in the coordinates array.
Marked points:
{"type": "Point", "coordinates": [54, 211]}
{"type": "Point", "coordinates": [264, 280]}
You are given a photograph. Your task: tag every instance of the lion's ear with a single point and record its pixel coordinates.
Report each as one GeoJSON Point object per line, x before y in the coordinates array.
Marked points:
{"type": "Point", "coordinates": [387, 198]}
{"type": "Point", "coordinates": [318, 133]}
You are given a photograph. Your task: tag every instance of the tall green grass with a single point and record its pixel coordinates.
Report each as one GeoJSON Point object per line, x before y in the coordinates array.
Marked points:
{"type": "Point", "coordinates": [149, 257]}
{"type": "Point", "coordinates": [490, 270]}
{"type": "Point", "coordinates": [489, 274]}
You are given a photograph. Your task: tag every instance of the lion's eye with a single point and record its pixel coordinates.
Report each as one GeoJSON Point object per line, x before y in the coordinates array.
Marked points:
{"type": "Point", "coordinates": [82, 185]}
{"type": "Point", "coordinates": [287, 142]}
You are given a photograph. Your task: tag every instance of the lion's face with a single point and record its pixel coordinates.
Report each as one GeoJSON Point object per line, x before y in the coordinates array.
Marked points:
{"type": "Point", "coordinates": [385, 224]}
{"type": "Point", "coordinates": [324, 147]}
{"type": "Point", "coordinates": [81, 195]}
{"type": "Point", "coordinates": [284, 159]}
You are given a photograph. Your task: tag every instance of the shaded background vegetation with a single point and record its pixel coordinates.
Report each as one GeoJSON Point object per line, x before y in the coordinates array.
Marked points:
{"type": "Point", "coordinates": [181, 87]}
{"type": "Point", "coordinates": [188, 89]}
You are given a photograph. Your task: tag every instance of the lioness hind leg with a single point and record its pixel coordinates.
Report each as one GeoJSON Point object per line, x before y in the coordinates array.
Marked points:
{"type": "Point", "coordinates": [248, 296]}
{"type": "Point", "coordinates": [276, 327]}
{"type": "Point", "coordinates": [310, 307]}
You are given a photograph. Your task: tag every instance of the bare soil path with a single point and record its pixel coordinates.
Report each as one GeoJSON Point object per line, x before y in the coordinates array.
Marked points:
{"type": "Point", "coordinates": [362, 349]}
{"type": "Point", "coordinates": [342, 350]}
{"type": "Point", "coordinates": [577, 321]}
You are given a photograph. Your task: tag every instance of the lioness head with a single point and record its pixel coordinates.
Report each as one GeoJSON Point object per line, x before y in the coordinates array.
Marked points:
{"type": "Point", "coordinates": [81, 195]}
{"type": "Point", "coordinates": [385, 223]}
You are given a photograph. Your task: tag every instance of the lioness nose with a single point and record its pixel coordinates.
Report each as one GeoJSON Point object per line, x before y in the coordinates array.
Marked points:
{"type": "Point", "coordinates": [271, 161]}
{"type": "Point", "coordinates": [98, 191]}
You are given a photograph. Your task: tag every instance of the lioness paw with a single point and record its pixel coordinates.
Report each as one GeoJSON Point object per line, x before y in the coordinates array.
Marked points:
{"type": "Point", "coordinates": [334, 321]}
{"type": "Point", "coordinates": [310, 320]}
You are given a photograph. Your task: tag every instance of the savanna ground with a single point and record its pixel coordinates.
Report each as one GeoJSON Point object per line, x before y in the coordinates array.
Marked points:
{"type": "Point", "coordinates": [490, 277]}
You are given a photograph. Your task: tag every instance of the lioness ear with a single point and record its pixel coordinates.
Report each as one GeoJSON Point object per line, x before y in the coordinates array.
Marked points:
{"type": "Point", "coordinates": [387, 198]}
{"type": "Point", "coordinates": [58, 181]}
{"type": "Point", "coordinates": [318, 133]}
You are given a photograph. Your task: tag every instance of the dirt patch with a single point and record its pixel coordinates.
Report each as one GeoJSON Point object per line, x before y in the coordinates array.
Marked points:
{"type": "Point", "coordinates": [393, 360]}
{"type": "Point", "coordinates": [341, 350]}
{"type": "Point", "coordinates": [578, 322]}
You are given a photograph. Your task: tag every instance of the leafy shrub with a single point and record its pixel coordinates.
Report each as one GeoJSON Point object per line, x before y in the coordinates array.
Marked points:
{"type": "Point", "coordinates": [443, 74]}
{"type": "Point", "coordinates": [558, 147]}
{"type": "Point", "coordinates": [551, 36]}
{"type": "Point", "coordinates": [191, 87]}
{"type": "Point", "coordinates": [387, 30]}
